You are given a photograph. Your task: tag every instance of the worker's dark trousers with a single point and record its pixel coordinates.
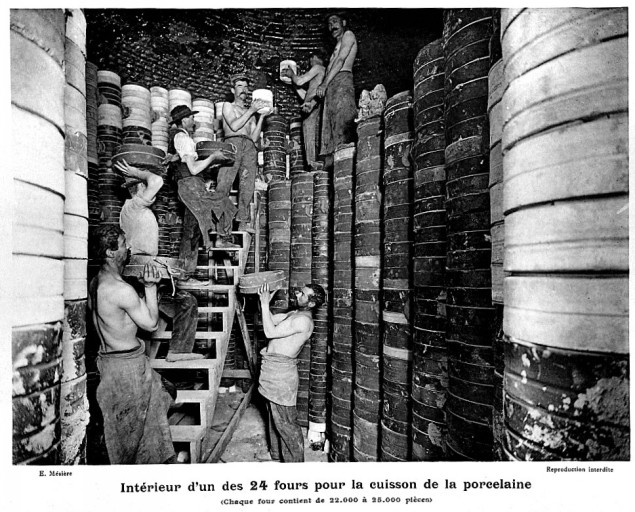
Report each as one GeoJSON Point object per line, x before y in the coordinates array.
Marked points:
{"type": "Point", "coordinates": [285, 435]}
{"type": "Point", "coordinates": [183, 310]}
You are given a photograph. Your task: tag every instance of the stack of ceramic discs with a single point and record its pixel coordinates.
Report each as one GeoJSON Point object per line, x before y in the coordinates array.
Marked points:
{"type": "Point", "coordinates": [264, 229]}
{"type": "Point", "coordinates": [109, 137]}
{"type": "Point", "coordinates": [137, 110]}
{"type": "Point", "coordinates": [159, 104]}
{"type": "Point", "coordinates": [274, 148]}
{"type": "Point", "coordinates": [470, 315]}
{"type": "Point", "coordinates": [218, 120]}
{"type": "Point", "coordinates": [73, 399]}
{"type": "Point", "coordinates": [497, 226]}
{"type": "Point", "coordinates": [368, 248]}
{"type": "Point", "coordinates": [342, 299]}
{"type": "Point", "coordinates": [320, 273]}
{"type": "Point", "coordinates": [566, 174]}
{"type": "Point", "coordinates": [179, 97]}
{"type": "Point", "coordinates": [92, 102]}
{"type": "Point", "coordinates": [397, 278]}
{"type": "Point", "coordinates": [430, 369]}
{"type": "Point", "coordinates": [259, 246]}
{"type": "Point", "coordinates": [203, 120]}
{"type": "Point", "coordinates": [35, 271]}
{"type": "Point", "coordinates": [300, 270]}
{"type": "Point", "coordinates": [296, 148]}
{"type": "Point", "coordinates": [161, 209]}
{"type": "Point", "coordinates": [109, 86]}
{"type": "Point", "coordinates": [280, 238]}
{"type": "Point", "coordinates": [175, 218]}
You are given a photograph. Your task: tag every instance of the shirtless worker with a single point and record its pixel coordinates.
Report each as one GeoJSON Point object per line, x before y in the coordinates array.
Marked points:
{"type": "Point", "coordinates": [278, 382]}
{"type": "Point", "coordinates": [243, 131]}
{"type": "Point", "coordinates": [310, 107]}
{"type": "Point", "coordinates": [142, 236]}
{"type": "Point", "coordinates": [130, 394]}
{"type": "Point", "coordinates": [337, 89]}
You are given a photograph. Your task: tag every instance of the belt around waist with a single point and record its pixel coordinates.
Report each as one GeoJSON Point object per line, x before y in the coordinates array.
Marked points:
{"type": "Point", "coordinates": [239, 136]}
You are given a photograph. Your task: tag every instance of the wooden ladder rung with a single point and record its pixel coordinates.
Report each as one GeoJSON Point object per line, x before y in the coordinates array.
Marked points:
{"type": "Point", "coordinates": [190, 364]}
{"type": "Point", "coordinates": [236, 373]}
{"type": "Point", "coordinates": [200, 335]}
{"type": "Point", "coordinates": [192, 396]}
{"type": "Point", "coordinates": [186, 433]}
{"type": "Point", "coordinates": [213, 309]}
{"type": "Point", "coordinates": [209, 287]}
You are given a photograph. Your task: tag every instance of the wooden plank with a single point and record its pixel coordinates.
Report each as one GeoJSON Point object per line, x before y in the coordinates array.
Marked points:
{"type": "Point", "coordinates": [224, 440]}
{"type": "Point", "coordinates": [251, 357]}
{"type": "Point", "coordinates": [200, 335]}
{"type": "Point", "coordinates": [191, 364]}
{"type": "Point", "coordinates": [236, 374]}
{"type": "Point", "coordinates": [210, 287]}
{"type": "Point", "coordinates": [257, 234]}
{"type": "Point", "coordinates": [186, 433]}
{"type": "Point", "coordinates": [213, 309]}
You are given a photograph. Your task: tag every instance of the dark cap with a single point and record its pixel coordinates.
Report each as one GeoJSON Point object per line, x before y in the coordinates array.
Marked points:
{"type": "Point", "coordinates": [340, 14]}
{"type": "Point", "coordinates": [181, 112]}
{"type": "Point", "coordinates": [236, 77]}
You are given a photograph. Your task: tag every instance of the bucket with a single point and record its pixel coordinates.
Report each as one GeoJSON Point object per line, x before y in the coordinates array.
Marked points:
{"type": "Point", "coordinates": [265, 95]}
{"type": "Point", "coordinates": [287, 64]}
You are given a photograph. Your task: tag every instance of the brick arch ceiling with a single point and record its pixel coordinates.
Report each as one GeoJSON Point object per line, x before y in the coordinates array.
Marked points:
{"type": "Point", "coordinates": [197, 49]}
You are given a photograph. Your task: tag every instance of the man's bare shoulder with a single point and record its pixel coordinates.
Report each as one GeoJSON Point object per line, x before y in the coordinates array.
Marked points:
{"type": "Point", "coordinates": [301, 321]}
{"type": "Point", "coordinates": [348, 35]}
{"type": "Point", "coordinates": [229, 108]}
{"type": "Point", "coordinates": [116, 292]}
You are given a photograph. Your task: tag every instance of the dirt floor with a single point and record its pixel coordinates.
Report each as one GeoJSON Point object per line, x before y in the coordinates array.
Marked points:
{"type": "Point", "coordinates": [249, 442]}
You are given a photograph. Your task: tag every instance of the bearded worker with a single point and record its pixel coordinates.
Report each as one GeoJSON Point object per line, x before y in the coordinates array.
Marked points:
{"type": "Point", "coordinates": [278, 382]}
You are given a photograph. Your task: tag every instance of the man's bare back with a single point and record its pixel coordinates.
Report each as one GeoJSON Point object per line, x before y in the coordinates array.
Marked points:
{"type": "Point", "coordinates": [117, 309]}
{"type": "Point", "coordinates": [107, 296]}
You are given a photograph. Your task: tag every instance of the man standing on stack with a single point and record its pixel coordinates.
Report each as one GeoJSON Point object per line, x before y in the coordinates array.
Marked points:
{"type": "Point", "coordinates": [193, 193]}
{"type": "Point", "coordinates": [278, 381]}
{"type": "Point", "coordinates": [337, 89]}
{"type": "Point", "coordinates": [243, 131]}
{"type": "Point", "coordinates": [310, 108]}
{"type": "Point", "coordinates": [142, 234]}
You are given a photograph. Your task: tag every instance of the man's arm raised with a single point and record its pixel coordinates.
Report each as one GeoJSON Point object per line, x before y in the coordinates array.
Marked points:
{"type": "Point", "coordinates": [143, 312]}
{"type": "Point", "coordinates": [280, 326]}
{"type": "Point", "coordinates": [153, 181]}
{"type": "Point", "coordinates": [236, 122]}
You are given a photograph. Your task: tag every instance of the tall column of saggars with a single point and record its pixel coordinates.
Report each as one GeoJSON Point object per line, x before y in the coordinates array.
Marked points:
{"type": "Point", "coordinates": [50, 227]}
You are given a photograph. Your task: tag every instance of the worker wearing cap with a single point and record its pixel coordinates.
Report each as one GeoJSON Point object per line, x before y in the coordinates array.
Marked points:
{"type": "Point", "coordinates": [243, 131]}
{"type": "Point", "coordinates": [337, 88]}
{"type": "Point", "coordinates": [193, 193]}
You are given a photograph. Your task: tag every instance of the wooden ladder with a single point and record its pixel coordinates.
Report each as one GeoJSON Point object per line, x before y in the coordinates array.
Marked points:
{"type": "Point", "coordinates": [198, 436]}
